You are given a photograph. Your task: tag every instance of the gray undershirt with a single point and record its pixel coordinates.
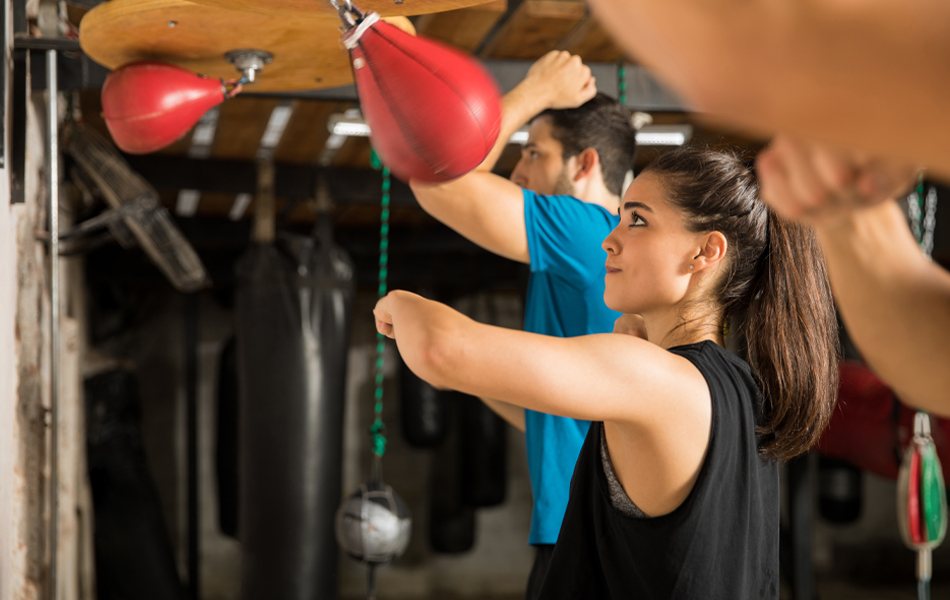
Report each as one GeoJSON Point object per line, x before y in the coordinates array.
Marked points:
{"type": "Point", "coordinates": [618, 497]}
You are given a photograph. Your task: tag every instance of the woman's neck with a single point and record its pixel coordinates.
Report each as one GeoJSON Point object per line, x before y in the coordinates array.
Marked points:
{"type": "Point", "coordinates": [677, 327]}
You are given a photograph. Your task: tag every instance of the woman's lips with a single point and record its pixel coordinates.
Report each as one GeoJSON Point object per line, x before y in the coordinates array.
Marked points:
{"type": "Point", "coordinates": [611, 270]}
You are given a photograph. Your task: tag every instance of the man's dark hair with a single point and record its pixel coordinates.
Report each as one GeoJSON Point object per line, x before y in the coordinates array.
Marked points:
{"type": "Point", "coordinates": [603, 124]}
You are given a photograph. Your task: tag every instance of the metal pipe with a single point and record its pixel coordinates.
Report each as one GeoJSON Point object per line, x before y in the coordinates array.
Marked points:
{"type": "Point", "coordinates": [52, 149]}
{"type": "Point", "coordinates": [191, 408]}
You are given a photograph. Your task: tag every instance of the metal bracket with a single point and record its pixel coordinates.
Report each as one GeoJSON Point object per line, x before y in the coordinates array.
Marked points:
{"type": "Point", "coordinates": [249, 61]}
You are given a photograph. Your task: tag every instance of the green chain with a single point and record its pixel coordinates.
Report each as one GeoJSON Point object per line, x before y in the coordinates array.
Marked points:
{"type": "Point", "coordinates": [378, 430]}
{"type": "Point", "coordinates": [621, 83]}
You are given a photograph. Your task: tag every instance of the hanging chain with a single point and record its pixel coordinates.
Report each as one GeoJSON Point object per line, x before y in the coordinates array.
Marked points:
{"type": "Point", "coordinates": [378, 430]}
{"type": "Point", "coordinates": [922, 211]}
{"type": "Point", "coordinates": [349, 14]}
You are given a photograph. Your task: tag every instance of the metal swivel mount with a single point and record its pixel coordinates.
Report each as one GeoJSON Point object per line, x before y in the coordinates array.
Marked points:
{"type": "Point", "coordinates": [249, 61]}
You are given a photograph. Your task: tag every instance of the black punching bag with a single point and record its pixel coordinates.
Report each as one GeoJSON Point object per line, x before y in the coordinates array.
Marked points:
{"type": "Point", "coordinates": [133, 549]}
{"type": "Point", "coordinates": [226, 439]}
{"type": "Point", "coordinates": [422, 411]}
{"type": "Point", "coordinates": [451, 521]}
{"type": "Point", "coordinates": [484, 447]}
{"type": "Point", "coordinates": [293, 313]}
{"type": "Point", "coordinates": [840, 490]}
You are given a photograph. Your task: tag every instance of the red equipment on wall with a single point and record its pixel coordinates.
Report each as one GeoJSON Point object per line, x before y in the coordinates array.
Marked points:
{"type": "Point", "coordinates": [870, 427]}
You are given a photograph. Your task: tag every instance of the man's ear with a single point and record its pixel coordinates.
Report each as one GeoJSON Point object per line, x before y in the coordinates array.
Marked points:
{"type": "Point", "coordinates": [586, 162]}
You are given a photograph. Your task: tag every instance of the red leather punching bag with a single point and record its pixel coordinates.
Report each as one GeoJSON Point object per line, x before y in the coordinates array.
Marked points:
{"type": "Point", "coordinates": [149, 105]}
{"type": "Point", "coordinates": [434, 112]}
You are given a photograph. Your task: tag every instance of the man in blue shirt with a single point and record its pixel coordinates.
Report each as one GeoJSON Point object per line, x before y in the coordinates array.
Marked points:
{"type": "Point", "coordinates": [554, 213]}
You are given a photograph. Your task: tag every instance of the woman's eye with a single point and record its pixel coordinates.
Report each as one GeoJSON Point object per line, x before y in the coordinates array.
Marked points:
{"type": "Point", "coordinates": [637, 221]}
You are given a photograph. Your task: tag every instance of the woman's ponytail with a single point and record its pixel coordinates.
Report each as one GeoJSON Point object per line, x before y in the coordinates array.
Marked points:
{"type": "Point", "coordinates": [791, 337]}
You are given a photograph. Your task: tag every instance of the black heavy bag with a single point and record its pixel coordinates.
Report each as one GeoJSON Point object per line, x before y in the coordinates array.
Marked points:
{"type": "Point", "coordinates": [484, 445]}
{"type": "Point", "coordinates": [451, 522]}
{"type": "Point", "coordinates": [226, 439]}
{"type": "Point", "coordinates": [133, 550]}
{"type": "Point", "coordinates": [422, 413]}
{"type": "Point", "coordinates": [293, 312]}
{"type": "Point", "coordinates": [840, 490]}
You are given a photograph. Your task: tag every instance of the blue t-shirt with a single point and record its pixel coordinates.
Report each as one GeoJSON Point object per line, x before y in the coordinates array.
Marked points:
{"type": "Point", "coordinates": [565, 299]}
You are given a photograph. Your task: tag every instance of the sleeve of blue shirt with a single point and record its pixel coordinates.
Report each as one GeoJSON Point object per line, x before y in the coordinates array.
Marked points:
{"type": "Point", "coordinates": [565, 236]}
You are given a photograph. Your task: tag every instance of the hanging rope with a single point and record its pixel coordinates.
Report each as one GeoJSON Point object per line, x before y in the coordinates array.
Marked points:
{"type": "Point", "coordinates": [621, 83]}
{"type": "Point", "coordinates": [378, 429]}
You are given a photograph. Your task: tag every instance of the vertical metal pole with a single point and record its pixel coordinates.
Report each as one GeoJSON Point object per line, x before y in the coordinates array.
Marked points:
{"type": "Point", "coordinates": [801, 498]}
{"type": "Point", "coordinates": [191, 408]}
{"type": "Point", "coordinates": [52, 150]}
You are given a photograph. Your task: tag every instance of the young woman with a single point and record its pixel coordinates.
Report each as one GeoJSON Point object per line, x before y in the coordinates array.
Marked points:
{"type": "Point", "coordinates": [675, 492]}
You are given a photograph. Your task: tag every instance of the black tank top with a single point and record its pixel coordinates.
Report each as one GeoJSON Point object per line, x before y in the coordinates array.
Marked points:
{"type": "Point", "coordinates": [722, 542]}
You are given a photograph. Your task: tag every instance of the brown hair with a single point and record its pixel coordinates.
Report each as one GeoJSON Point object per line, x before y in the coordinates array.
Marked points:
{"type": "Point", "coordinates": [774, 294]}
{"type": "Point", "coordinates": [600, 123]}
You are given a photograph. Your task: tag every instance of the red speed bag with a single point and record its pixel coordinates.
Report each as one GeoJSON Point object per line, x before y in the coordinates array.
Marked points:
{"type": "Point", "coordinates": [434, 113]}
{"type": "Point", "coordinates": [149, 105]}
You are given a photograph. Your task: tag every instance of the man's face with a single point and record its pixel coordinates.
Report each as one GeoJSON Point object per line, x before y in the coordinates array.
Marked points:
{"type": "Point", "coordinates": [542, 167]}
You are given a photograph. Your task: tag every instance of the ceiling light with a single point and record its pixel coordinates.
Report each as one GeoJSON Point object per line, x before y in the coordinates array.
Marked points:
{"type": "Point", "coordinates": [648, 135]}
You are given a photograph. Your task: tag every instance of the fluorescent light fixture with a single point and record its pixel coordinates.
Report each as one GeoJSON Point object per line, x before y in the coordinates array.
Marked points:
{"type": "Point", "coordinates": [648, 135]}
{"type": "Point", "coordinates": [203, 136]}
{"type": "Point", "coordinates": [664, 135]}
{"type": "Point", "coordinates": [350, 128]}
{"type": "Point", "coordinates": [187, 204]}
{"type": "Point", "coordinates": [279, 118]}
{"type": "Point", "coordinates": [519, 137]}
{"type": "Point", "coordinates": [241, 202]}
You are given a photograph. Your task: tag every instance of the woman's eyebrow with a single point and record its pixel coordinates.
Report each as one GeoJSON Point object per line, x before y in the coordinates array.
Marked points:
{"type": "Point", "coordinates": [632, 205]}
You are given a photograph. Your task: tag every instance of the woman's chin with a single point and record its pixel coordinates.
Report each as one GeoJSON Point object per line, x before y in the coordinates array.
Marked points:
{"type": "Point", "coordinates": [620, 307]}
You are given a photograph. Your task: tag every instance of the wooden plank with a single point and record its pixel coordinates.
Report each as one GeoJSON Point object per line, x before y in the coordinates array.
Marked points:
{"type": "Point", "coordinates": [466, 28]}
{"type": "Point", "coordinates": [296, 9]}
{"type": "Point", "coordinates": [536, 27]}
{"type": "Point", "coordinates": [307, 50]}
{"type": "Point", "coordinates": [589, 41]}
{"type": "Point", "coordinates": [306, 132]}
{"type": "Point", "coordinates": [241, 123]}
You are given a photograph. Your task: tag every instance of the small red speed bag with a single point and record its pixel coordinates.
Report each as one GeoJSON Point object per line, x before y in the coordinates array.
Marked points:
{"type": "Point", "coordinates": [149, 105]}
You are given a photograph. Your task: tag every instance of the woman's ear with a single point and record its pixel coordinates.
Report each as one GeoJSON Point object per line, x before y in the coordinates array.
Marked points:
{"type": "Point", "coordinates": [711, 252]}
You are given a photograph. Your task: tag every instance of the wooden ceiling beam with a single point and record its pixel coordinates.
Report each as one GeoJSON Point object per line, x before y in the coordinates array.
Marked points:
{"type": "Point", "coordinates": [306, 133]}
{"type": "Point", "coordinates": [466, 28]}
{"type": "Point", "coordinates": [241, 123]}
{"type": "Point", "coordinates": [291, 181]}
{"type": "Point", "coordinates": [589, 41]}
{"type": "Point", "coordinates": [534, 28]}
